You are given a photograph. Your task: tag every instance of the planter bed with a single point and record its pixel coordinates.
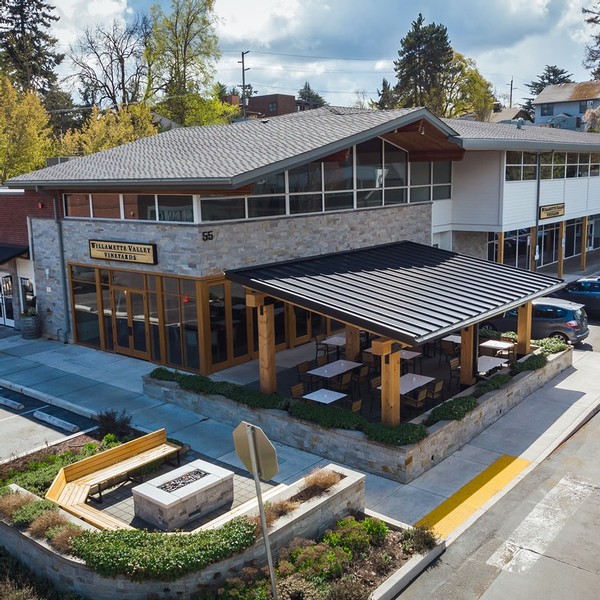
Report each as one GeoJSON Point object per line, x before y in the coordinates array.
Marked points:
{"type": "Point", "coordinates": [352, 448]}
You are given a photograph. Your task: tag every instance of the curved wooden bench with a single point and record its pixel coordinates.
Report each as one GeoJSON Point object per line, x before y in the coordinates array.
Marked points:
{"type": "Point", "coordinates": [74, 483]}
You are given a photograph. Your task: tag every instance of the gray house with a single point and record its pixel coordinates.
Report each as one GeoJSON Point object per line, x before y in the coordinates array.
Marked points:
{"type": "Point", "coordinates": [563, 105]}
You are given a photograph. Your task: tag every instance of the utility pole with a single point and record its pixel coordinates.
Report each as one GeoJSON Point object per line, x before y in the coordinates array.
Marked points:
{"type": "Point", "coordinates": [244, 69]}
{"type": "Point", "coordinates": [510, 95]}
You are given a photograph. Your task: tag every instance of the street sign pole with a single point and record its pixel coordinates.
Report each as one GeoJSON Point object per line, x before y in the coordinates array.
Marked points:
{"type": "Point", "coordinates": [261, 508]}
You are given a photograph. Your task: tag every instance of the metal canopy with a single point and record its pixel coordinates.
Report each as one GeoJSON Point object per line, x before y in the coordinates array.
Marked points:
{"type": "Point", "coordinates": [7, 252]}
{"type": "Point", "coordinates": [406, 291]}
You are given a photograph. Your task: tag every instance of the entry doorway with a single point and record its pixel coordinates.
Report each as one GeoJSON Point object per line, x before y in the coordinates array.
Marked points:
{"type": "Point", "coordinates": [7, 312]}
{"type": "Point", "coordinates": [130, 322]}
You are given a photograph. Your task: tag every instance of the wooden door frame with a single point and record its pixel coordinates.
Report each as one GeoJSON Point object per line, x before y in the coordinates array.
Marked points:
{"type": "Point", "coordinates": [121, 349]}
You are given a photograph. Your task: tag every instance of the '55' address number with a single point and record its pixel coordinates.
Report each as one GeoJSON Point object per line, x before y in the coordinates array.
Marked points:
{"type": "Point", "coordinates": [207, 236]}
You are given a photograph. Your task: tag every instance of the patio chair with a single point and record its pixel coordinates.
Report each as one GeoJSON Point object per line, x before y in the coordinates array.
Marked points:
{"type": "Point", "coordinates": [343, 383]}
{"type": "Point", "coordinates": [297, 391]}
{"type": "Point", "coordinates": [360, 377]}
{"type": "Point", "coordinates": [321, 349]}
{"type": "Point", "coordinates": [416, 403]}
{"type": "Point", "coordinates": [357, 406]}
{"type": "Point", "coordinates": [303, 375]}
{"type": "Point", "coordinates": [435, 392]}
{"type": "Point", "coordinates": [448, 350]}
{"type": "Point", "coordinates": [454, 364]}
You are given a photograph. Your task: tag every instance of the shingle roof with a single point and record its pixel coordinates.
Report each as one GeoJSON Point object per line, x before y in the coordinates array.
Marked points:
{"type": "Point", "coordinates": [569, 92]}
{"type": "Point", "coordinates": [407, 291]}
{"type": "Point", "coordinates": [475, 135]}
{"type": "Point", "coordinates": [227, 155]}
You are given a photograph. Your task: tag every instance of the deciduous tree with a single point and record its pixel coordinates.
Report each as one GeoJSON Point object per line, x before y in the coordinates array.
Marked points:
{"type": "Point", "coordinates": [27, 50]}
{"type": "Point", "coordinates": [25, 135]}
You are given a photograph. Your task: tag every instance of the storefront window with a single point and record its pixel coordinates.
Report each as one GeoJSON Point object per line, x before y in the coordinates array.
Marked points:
{"type": "Point", "coordinates": [106, 206]}
{"type": "Point", "coordinates": [85, 304]}
{"type": "Point", "coordinates": [77, 205]}
{"type": "Point", "coordinates": [224, 209]}
{"type": "Point", "coordinates": [178, 209]}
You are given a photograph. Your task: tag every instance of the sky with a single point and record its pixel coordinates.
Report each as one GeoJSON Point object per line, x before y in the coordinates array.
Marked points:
{"type": "Point", "coordinates": [344, 48]}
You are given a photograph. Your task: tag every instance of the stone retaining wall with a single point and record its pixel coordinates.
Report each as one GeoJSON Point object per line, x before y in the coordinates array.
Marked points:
{"type": "Point", "coordinates": [352, 448]}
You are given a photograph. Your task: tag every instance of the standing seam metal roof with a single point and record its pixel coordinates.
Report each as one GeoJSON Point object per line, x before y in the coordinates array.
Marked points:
{"type": "Point", "coordinates": [407, 291]}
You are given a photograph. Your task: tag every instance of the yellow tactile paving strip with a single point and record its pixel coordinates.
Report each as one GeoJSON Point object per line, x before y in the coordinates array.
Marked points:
{"type": "Point", "coordinates": [460, 506]}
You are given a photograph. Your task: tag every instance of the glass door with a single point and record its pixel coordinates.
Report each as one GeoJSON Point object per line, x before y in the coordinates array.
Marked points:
{"type": "Point", "coordinates": [7, 314]}
{"type": "Point", "coordinates": [130, 322]}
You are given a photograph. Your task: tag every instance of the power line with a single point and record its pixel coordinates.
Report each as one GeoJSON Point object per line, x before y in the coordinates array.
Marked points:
{"type": "Point", "coordinates": [311, 56]}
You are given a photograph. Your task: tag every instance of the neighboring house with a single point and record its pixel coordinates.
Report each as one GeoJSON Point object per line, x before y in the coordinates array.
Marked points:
{"type": "Point", "coordinates": [509, 115]}
{"type": "Point", "coordinates": [150, 227]}
{"type": "Point", "coordinates": [564, 105]}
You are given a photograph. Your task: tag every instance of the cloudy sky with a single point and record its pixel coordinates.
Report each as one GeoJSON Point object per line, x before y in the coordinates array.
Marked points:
{"type": "Point", "coordinates": [344, 48]}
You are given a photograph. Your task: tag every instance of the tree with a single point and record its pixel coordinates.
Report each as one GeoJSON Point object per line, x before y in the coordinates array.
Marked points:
{"type": "Point", "coordinates": [27, 53]}
{"type": "Point", "coordinates": [63, 113]}
{"type": "Point", "coordinates": [552, 75]}
{"type": "Point", "coordinates": [182, 50]}
{"type": "Point", "coordinates": [592, 50]}
{"type": "Point", "coordinates": [110, 62]}
{"type": "Point", "coordinates": [465, 90]}
{"type": "Point", "coordinates": [109, 128]}
{"type": "Point", "coordinates": [424, 57]}
{"type": "Point", "coordinates": [388, 98]}
{"type": "Point", "coordinates": [25, 135]}
{"type": "Point", "coordinates": [310, 97]}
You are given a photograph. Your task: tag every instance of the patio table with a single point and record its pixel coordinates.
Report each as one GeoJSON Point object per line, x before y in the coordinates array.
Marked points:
{"type": "Point", "coordinates": [334, 369]}
{"type": "Point", "coordinates": [455, 339]}
{"type": "Point", "coordinates": [485, 364]}
{"type": "Point", "coordinates": [324, 396]}
{"type": "Point", "coordinates": [412, 381]}
{"type": "Point", "coordinates": [337, 340]}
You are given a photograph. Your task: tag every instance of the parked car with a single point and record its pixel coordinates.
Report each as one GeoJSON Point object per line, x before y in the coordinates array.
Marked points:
{"type": "Point", "coordinates": [585, 291]}
{"type": "Point", "coordinates": [551, 317]}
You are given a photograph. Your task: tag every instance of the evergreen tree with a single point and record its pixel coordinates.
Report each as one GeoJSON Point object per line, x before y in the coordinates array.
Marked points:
{"type": "Point", "coordinates": [27, 53]}
{"type": "Point", "coordinates": [552, 75]}
{"type": "Point", "coordinates": [592, 50]}
{"type": "Point", "coordinates": [310, 97]}
{"type": "Point", "coordinates": [424, 57]}
{"type": "Point", "coordinates": [388, 98]}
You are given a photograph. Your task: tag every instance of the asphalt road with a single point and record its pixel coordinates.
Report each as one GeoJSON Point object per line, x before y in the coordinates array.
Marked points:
{"type": "Point", "coordinates": [21, 432]}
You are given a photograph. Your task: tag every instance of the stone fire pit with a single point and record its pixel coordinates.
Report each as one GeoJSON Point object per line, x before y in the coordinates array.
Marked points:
{"type": "Point", "coordinates": [174, 499]}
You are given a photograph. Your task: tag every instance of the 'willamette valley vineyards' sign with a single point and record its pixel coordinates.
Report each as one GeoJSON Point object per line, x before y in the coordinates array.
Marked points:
{"type": "Point", "coordinates": [123, 251]}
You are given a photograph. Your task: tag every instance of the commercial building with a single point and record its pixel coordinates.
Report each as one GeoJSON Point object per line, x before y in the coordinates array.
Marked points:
{"type": "Point", "coordinates": [136, 265]}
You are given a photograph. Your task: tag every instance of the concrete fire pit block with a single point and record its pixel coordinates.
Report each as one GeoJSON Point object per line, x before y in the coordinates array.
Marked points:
{"type": "Point", "coordinates": [168, 510]}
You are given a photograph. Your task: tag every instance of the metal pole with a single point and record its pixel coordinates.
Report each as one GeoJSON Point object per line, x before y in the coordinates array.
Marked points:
{"type": "Point", "coordinates": [263, 518]}
{"type": "Point", "coordinates": [244, 84]}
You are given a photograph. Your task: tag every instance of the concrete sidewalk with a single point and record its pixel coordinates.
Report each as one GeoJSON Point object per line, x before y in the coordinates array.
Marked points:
{"type": "Point", "coordinates": [89, 381]}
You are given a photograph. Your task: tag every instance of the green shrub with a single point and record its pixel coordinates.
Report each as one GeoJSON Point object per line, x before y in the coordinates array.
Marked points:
{"type": "Point", "coordinates": [322, 562]}
{"type": "Point", "coordinates": [533, 362]}
{"type": "Point", "coordinates": [489, 333]}
{"type": "Point", "coordinates": [24, 516]}
{"type": "Point", "coordinates": [327, 416]}
{"type": "Point", "coordinates": [419, 539]}
{"type": "Point", "coordinates": [350, 535]}
{"type": "Point", "coordinates": [377, 529]}
{"type": "Point", "coordinates": [112, 421]}
{"type": "Point", "coordinates": [509, 336]}
{"type": "Point", "coordinates": [452, 410]}
{"type": "Point", "coordinates": [551, 345]}
{"type": "Point", "coordinates": [395, 435]}
{"type": "Point", "coordinates": [165, 374]}
{"type": "Point", "coordinates": [495, 382]}
{"type": "Point", "coordinates": [349, 587]}
{"type": "Point", "coordinates": [143, 555]}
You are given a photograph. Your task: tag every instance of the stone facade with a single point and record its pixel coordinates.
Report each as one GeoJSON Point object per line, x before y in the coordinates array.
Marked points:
{"type": "Point", "coordinates": [471, 243]}
{"type": "Point", "coordinates": [182, 251]}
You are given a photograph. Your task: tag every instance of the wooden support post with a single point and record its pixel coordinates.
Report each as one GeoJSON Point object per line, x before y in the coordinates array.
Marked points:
{"type": "Point", "coordinates": [533, 241]}
{"type": "Point", "coordinates": [266, 341]}
{"type": "Point", "coordinates": [390, 380]}
{"type": "Point", "coordinates": [467, 360]}
{"type": "Point", "coordinates": [500, 249]}
{"type": "Point", "coordinates": [584, 243]}
{"type": "Point", "coordinates": [561, 250]}
{"type": "Point", "coordinates": [524, 329]}
{"type": "Point", "coordinates": [352, 343]}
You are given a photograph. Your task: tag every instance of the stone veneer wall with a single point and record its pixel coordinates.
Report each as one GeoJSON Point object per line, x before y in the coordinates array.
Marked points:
{"type": "Point", "coordinates": [471, 243]}
{"type": "Point", "coordinates": [182, 251]}
{"type": "Point", "coordinates": [352, 448]}
{"type": "Point", "coordinates": [311, 520]}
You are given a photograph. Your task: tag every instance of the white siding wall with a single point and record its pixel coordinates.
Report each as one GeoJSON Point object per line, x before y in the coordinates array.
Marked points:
{"type": "Point", "coordinates": [594, 196]}
{"type": "Point", "coordinates": [476, 191]}
{"type": "Point", "coordinates": [519, 204]}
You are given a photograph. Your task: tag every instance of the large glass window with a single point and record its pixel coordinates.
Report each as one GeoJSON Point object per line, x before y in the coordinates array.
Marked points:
{"type": "Point", "coordinates": [266, 206]}
{"type": "Point", "coordinates": [106, 206]}
{"type": "Point", "coordinates": [223, 209]}
{"type": "Point", "coordinates": [369, 166]}
{"type": "Point", "coordinates": [306, 203]}
{"type": "Point", "coordinates": [176, 208]}
{"type": "Point", "coordinates": [338, 172]}
{"type": "Point", "coordinates": [274, 184]}
{"type": "Point", "coordinates": [77, 205]}
{"type": "Point", "coordinates": [306, 178]}
{"type": "Point", "coordinates": [521, 166]}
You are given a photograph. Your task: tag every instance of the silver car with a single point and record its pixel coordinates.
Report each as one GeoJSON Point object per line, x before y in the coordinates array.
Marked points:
{"type": "Point", "coordinates": [551, 317]}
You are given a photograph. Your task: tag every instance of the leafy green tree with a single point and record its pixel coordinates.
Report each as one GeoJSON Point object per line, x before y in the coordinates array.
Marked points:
{"type": "Point", "coordinates": [465, 90]}
{"type": "Point", "coordinates": [552, 75]}
{"type": "Point", "coordinates": [63, 113]}
{"type": "Point", "coordinates": [182, 50]}
{"type": "Point", "coordinates": [25, 135]}
{"type": "Point", "coordinates": [27, 50]}
{"type": "Point", "coordinates": [310, 97]}
{"type": "Point", "coordinates": [106, 129]}
{"type": "Point", "coordinates": [424, 57]}
{"type": "Point", "coordinates": [110, 62]}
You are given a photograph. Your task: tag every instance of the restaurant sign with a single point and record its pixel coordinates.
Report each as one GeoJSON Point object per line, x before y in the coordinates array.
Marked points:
{"type": "Point", "coordinates": [123, 251]}
{"type": "Point", "coordinates": [552, 210]}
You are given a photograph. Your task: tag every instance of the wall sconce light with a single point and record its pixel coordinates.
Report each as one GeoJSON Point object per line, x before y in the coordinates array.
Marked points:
{"type": "Point", "coordinates": [40, 205]}
{"type": "Point", "coordinates": [421, 128]}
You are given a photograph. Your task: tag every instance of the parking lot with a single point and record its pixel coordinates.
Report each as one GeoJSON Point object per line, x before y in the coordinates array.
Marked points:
{"type": "Point", "coordinates": [21, 432]}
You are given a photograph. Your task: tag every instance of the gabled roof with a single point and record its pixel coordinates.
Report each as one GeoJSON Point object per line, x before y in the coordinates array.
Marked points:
{"type": "Point", "coordinates": [509, 114]}
{"type": "Point", "coordinates": [229, 156]}
{"type": "Point", "coordinates": [406, 291]}
{"type": "Point", "coordinates": [569, 92]}
{"type": "Point", "coordinates": [475, 135]}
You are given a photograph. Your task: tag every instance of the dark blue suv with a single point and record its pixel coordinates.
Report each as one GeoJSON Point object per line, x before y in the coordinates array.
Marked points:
{"type": "Point", "coordinates": [585, 291]}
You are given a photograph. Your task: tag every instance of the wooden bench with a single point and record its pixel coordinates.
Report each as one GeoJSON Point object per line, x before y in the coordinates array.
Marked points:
{"type": "Point", "coordinates": [74, 483]}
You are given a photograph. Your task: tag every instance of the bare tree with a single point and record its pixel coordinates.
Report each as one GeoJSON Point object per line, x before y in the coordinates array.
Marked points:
{"type": "Point", "coordinates": [110, 62]}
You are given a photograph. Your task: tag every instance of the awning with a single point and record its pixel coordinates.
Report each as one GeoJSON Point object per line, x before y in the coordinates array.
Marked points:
{"type": "Point", "coordinates": [406, 291]}
{"type": "Point", "coordinates": [7, 252]}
